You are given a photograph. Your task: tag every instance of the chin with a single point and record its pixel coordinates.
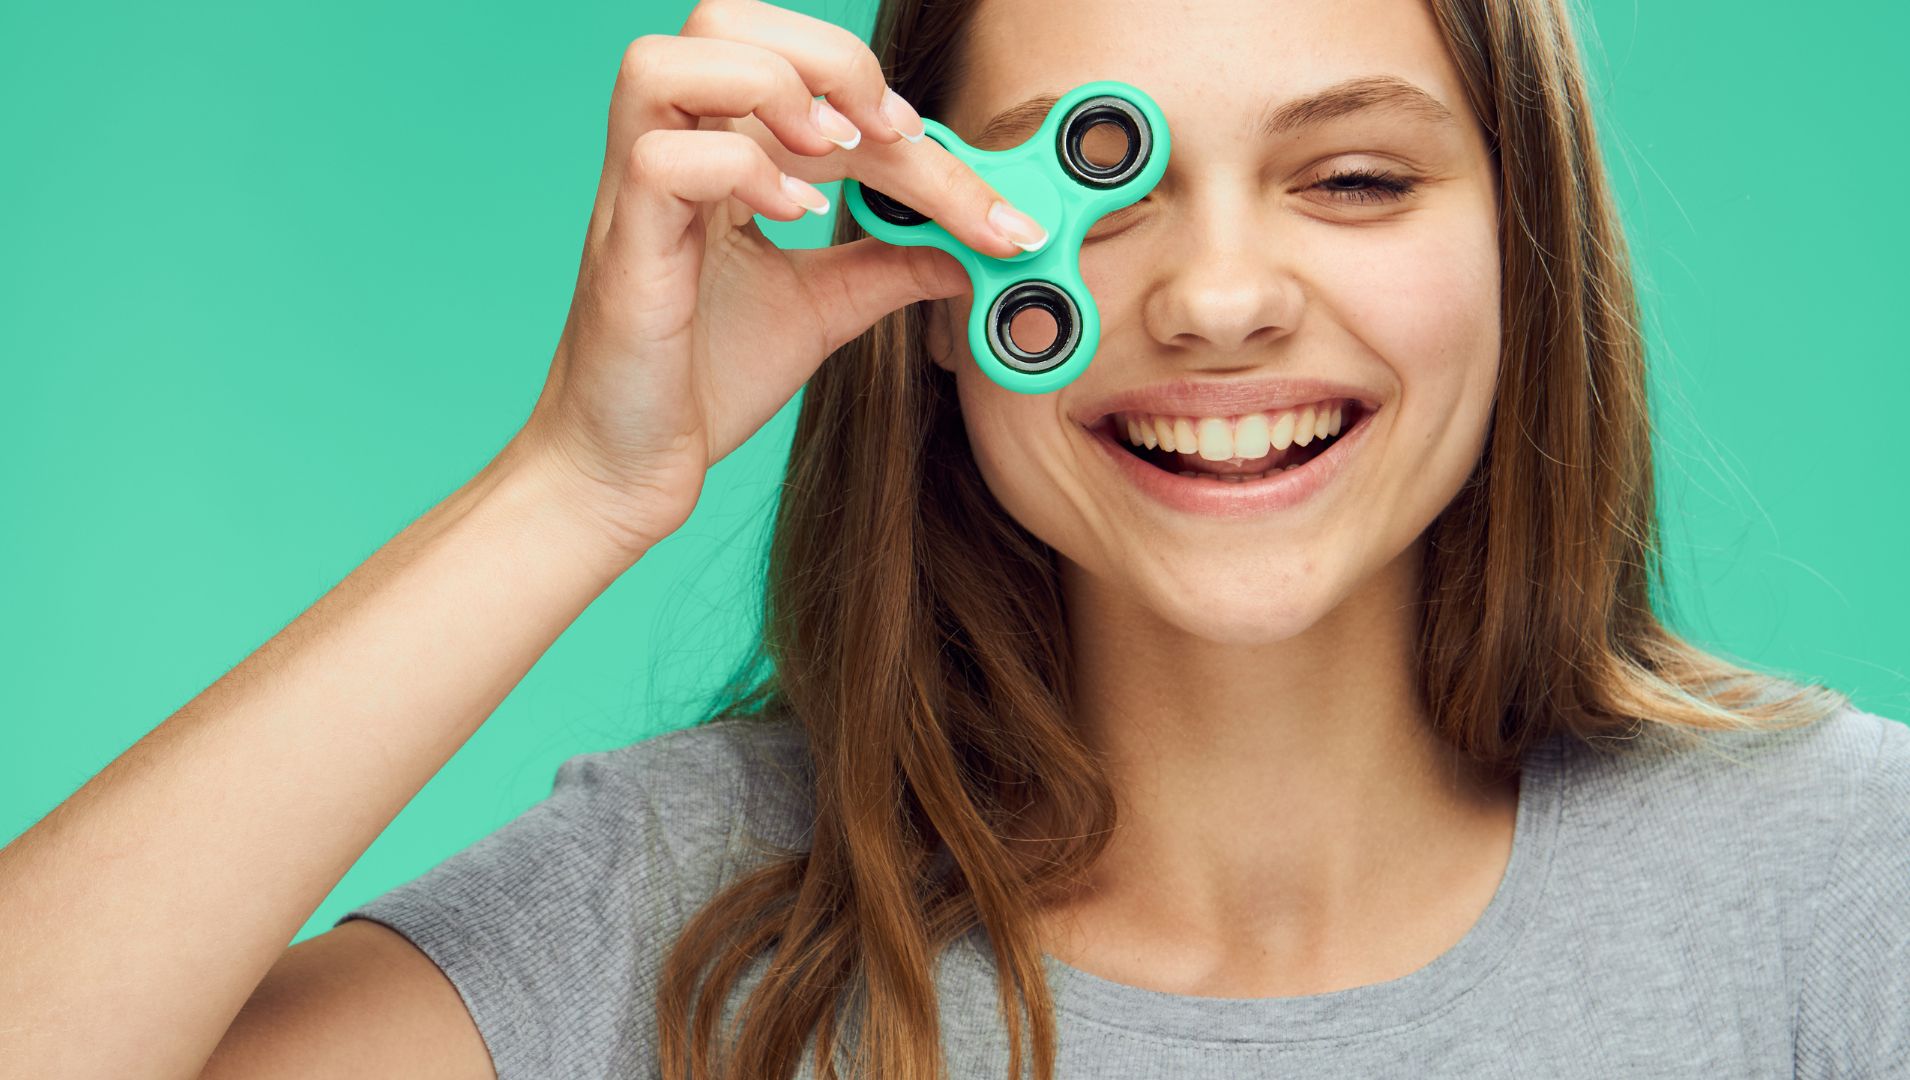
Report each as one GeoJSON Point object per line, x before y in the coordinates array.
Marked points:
{"type": "Point", "coordinates": [1237, 600]}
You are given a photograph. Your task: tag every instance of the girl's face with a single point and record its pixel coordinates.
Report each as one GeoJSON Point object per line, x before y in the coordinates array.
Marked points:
{"type": "Point", "coordinates": [1255, 261]}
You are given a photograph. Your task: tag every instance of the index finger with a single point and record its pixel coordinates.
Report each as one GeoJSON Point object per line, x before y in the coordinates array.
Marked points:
{"type": "Point", "coordinates": [831, 60]}
{"type": "Point", "coordinates": [836, 63]}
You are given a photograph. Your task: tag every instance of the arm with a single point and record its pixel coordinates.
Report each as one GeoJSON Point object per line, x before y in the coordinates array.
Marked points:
{"type": "Point", "coordinates": [142, 912]}
{"type": "Point", "coordinates": [137, 918]}
{"type": "Point", "coordinates": [358, 1000]}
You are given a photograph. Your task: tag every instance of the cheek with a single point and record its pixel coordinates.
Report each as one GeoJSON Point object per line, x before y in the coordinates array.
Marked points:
{"type": "Point", "coordinates": [1011, 436]}
{"type": "Point", "coordinates": [1114, 274]}
{"type": "Point", "coordinates": [1006, 439]}
{"type": "Point", "coordinates": [1425, 301]}
{"type": "Point", "coordinates": [1022, 447]}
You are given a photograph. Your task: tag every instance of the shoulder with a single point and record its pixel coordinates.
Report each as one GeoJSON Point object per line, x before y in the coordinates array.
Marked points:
{"type": "Point", "coordinates": [1853, 1005]}
{"type": "Point", "coordinates": [707, 763]}
{"type": "Point", "coordinates": [706, 794]}
{"type": "Point", "coordinates": [1762, 822]}
{"type": "Point", "coordinates": [1790, 848]}
{"type": "Point", "coordinates": [1810, 783]}
{"type": "Point", "coordinates": [1869, 849]}
{"type": "Point", "coordinates": [652, 827]}
{"type": "Point", "coordinates": [1846, 780]}
{"type": "Point", "coordinates": [1860, 764]}
{"type": "Point", "coordinates": [554, 928]}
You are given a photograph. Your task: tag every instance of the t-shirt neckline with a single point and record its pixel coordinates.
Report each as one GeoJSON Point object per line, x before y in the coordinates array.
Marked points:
{"type": "Point", "coordinates": [1359, 1010]}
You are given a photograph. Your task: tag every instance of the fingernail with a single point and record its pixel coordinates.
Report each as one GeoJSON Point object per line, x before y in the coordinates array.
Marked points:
{"type": "Point", "coordinates": [1018, 228]}
{"type": "Point", "coordinates": [805, 195]}
{"type": "Point", "coordinates": [834, 126]}
{"type": "Point", "coordinates": [902, 116]}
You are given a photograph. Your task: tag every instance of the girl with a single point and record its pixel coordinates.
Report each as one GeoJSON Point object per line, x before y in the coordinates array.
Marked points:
{"type": "Point", "coordinates": [1283, 697]}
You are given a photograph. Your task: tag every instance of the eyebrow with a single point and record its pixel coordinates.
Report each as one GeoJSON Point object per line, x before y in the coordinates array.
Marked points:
{"type": "Point", "coordinates": [1383, 92]}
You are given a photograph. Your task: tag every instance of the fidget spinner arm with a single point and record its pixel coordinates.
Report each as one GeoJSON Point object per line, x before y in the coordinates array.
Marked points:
{"type": "Point", "coordinates": [1103, 146]}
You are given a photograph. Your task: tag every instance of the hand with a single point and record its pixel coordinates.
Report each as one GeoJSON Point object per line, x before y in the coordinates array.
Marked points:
{"type": "Point", "coordinates": [689, 329]}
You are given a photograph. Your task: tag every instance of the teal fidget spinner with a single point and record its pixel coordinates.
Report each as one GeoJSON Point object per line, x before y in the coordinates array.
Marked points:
{"type": "Point", "coordinates": [1103, 146]}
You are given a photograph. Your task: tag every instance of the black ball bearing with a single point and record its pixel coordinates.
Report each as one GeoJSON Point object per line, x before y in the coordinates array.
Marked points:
{"type": "Point", "coordinates": [1083, 119]}
{"type": "Point", "coordinates": [1021, 297]}
{"type": "Point", "coordinates": [890, 209]}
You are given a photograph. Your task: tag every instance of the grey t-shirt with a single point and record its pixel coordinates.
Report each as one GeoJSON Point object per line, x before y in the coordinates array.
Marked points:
{"type": "Point", "coordinates": [1742, 911]}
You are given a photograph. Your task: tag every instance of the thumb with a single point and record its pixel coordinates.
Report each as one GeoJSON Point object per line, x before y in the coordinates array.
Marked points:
{"type": "Point", "coordinates": [856, 283]}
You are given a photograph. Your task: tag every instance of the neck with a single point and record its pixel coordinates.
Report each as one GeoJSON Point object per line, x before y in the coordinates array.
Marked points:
{"type": "Point", "coordinates": [1284, 799]}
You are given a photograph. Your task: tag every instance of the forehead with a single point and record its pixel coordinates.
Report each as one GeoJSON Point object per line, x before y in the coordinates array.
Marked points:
{"type": "Point", "coordinates": [1221, 58]}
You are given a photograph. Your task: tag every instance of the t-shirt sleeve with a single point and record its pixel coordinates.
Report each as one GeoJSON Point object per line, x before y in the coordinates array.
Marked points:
{"type": "Point", "coordinates": [1854, 1005]}
{"type": "Point", "coordinates": [554, 928]}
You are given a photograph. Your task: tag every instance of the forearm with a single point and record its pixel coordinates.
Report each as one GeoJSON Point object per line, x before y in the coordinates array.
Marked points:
{"type": "Point", "coordinates": [137, 917]}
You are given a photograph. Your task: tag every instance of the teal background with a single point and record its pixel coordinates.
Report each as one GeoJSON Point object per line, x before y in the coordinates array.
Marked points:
{"type": "Point", "coordinates": [274, 280]}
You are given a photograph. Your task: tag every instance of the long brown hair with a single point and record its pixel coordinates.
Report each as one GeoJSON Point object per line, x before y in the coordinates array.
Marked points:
{"type": "Point", "coordinates": [915, 630]}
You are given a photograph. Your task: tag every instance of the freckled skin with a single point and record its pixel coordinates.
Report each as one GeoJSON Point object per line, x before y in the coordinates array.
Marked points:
{"type": "Point", "coordinates": [1276, 651]}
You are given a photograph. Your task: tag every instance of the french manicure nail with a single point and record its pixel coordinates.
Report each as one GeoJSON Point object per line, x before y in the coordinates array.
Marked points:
{"type": "Point", "coordinates": [1018, 228]}
{"type": "Point", "coordinates": [834, 126]}
{"type": "Point", "coordinates": [902, 116]}
{"type": "Point", "coordinates": [805, 195]}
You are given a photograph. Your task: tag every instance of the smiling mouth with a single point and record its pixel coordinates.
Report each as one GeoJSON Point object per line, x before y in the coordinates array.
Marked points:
{"type": "Point", "coordinates": [1233, 449]}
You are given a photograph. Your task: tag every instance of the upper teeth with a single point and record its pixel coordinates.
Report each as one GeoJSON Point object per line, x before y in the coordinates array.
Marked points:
{"type": "Point", "coordinates": [1215, 438]}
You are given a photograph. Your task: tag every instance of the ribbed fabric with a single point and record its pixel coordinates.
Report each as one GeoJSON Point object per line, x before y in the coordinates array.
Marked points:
{"type": "Point", "coordinates": [1737, 910]}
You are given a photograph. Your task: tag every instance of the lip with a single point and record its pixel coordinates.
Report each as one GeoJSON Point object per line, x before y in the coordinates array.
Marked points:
{"type": "Point", "coordinates": [1234, 397]}
{"type": "Point", "coordinates": [1276, 491]}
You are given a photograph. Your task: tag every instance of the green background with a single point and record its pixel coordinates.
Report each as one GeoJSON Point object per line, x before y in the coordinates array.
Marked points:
{"type": "Point", "coordinates": [276, 279]}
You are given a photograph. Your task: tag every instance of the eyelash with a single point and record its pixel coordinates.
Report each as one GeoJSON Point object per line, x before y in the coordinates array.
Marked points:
{"type": "Point", "coordinates": [1383, 187]}
{"type": "Point", "coordinates": [1386, 186]}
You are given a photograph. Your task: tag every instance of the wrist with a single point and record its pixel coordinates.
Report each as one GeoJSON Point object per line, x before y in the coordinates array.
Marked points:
{"type": "Point", "coordinates": [543, 486]}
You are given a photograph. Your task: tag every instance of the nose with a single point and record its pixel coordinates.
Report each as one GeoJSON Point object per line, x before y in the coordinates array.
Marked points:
{"type": "Point", "coordinates": [1224, 288]}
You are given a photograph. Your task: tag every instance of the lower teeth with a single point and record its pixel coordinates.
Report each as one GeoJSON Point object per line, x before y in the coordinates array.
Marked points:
{"type": "Point", "coordinates": [1234, 478]}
